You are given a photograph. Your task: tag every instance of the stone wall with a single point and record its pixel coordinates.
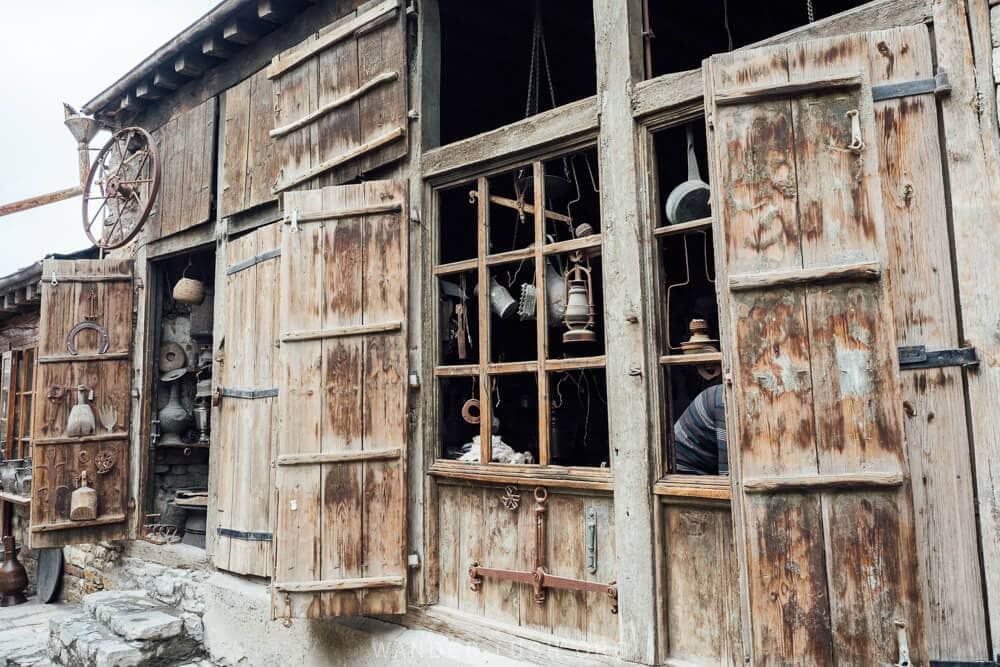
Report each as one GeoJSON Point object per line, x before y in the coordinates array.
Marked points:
{"type": "Point", "coordinates": [176, 579]}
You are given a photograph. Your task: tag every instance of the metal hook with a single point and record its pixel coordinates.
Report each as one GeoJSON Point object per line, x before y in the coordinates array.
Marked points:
{"type": "Point", "coordinates": [54, 281]}
{"type": "Point", "coordinates": [856, 145]}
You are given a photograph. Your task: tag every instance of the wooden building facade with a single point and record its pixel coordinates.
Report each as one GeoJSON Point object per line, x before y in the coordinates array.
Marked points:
{"type": "Point", "coordinates": [395, 249]}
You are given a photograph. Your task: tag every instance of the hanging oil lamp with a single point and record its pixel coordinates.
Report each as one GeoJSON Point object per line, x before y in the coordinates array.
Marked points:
{"type": "Point", "coordinates": [579, 298]}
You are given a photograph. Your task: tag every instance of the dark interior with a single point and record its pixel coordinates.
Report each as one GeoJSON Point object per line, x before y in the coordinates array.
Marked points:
{"type": "Point", "coordinates": [486, 61]}
{"type": "Point", "coordinates": [578, 430]}
{"type": "Point", "coordinates": [178, 466]}
{"type": "Point", "coordinates": [685, 32]}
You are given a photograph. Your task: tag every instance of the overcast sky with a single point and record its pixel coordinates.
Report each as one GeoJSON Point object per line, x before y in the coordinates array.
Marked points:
{"type": "Point", "coordinates": [54, 51]}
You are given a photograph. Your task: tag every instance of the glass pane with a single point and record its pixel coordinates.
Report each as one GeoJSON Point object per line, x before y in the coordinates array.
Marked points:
{"type": "Point", "coordinates": [458, 319]}
{"type": "Point", "coordinates": [578, 426]}
{"type": "Point", "coordinates": [29, 369]}
{"type": "Point", "coordinates": [511, 226]}
{"type": "Point", "coordinates": [515, 418]}
{"type": "Point", "coordinates": [697, 433]}
{"type": "Point", "coordinates": [457, 220]}
{"type": "Point", "coordinates": [459, 400]}
{"type": "Point", "coordinates": [513, 331]}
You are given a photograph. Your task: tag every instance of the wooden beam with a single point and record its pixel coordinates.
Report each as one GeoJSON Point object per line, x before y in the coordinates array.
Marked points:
{"type": "Point", "coordinates": [627, 322]}
{"type": "Point", "coordinates": [216, 47]}
{"type": "Point", "coordinates": [569, 122]}
{"type": "Point", "coordinates": [7, 303]}
{"type": "Point", "coordinates": [40, 200]}
{"type": "Point", "coordinates": [130, 102]}
{"type": "Point", "coordinates": [189, 65]}
{"type": "Point", "coordinates": [339, 584]}
{"type": "Point", "coordinates": [242, 31]}
{"type": "Point", "coordinates": [383, 78]}
{"type": "Point", "coordinates": [32, 293]}
{"type": "Point", "coordinates": [20, 297]}
{"type": "Point", "coordinates": [841, 482]}
{"type": "Point", "coordinates": [166, 80]}
{"type": "Point", "coordinates": [271, 11]}
{"type": "Point", "coordinates": [860, 272]}
{"type": "Point", "coordinates": [814, 86]}
{"type": "Point", "coordinates": [341, 332]}
{"type": "Point", "coordinates": [340, 457]}
{"type": "Point", "coordinates": [343, 158]}
{"type": "Point", "coordinates": [147, 91]}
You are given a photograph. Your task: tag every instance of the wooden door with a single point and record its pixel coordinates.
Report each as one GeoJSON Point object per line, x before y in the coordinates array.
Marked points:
{"type": "Point", "coordinates": [823, 502]}
{"type": "Point", "coordinates": [248, 414]}
{"type": "Point", "coordinates": [85, 340]}
{"type": "Point", "coordinates": [341, 465]}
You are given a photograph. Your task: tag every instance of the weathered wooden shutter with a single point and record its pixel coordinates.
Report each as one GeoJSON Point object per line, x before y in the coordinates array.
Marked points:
{"type": "Point", "coordinates": [341, 463]}
{"type": "Point", "coordinates": [824, 504]}
{"type": "Point", "coordinates": [85, 338]}
{"type": "Point", "coordinates": [248, 414]}
{"type": "Point", "coordinates": [340, 98]}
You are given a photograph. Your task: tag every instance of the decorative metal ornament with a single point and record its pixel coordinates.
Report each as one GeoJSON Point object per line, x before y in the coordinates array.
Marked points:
{"type": "Point", "coordinates": [104, 462]}
{"type": "Point", "coordinates": [511, 498]}
{"type": "Point", "coordinates": [101, 331]}
{"type": "Point", "coordinates": [121, 188]}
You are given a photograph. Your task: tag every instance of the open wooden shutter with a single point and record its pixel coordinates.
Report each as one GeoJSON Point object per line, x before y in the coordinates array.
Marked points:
{"type": "Point", "coordinates": [247, 425]}
{"type": "Point", "coordinates": [340, 97]}
{"type": "Point", "coordinates": [341, 464]}
{"type": "Point", "coordinates": [85, 339]}
{"type": "Point", "coordinates": [820, 477]}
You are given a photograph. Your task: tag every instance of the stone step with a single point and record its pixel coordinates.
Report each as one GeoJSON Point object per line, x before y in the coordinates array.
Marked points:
{"type": "Point", "coordinates": [124, 628]}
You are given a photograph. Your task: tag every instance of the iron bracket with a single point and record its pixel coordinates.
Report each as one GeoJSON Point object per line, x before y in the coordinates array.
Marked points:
{"type": "Point", "coordinates": [250, 393]}
{"type": "Point", "coordinates": [253, 261]}
{"type": "Point", "coordinates": [939, 85]}
{"type": "Point", "coordinates": [244, 535]}
{"type": "Point", "coordinates": [913, 357]}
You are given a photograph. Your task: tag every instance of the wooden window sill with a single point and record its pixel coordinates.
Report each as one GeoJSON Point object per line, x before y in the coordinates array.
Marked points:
{"type": "Point", "coordinates": [701, 487]}
{"type": "Point", "coordinates": [569, 477]}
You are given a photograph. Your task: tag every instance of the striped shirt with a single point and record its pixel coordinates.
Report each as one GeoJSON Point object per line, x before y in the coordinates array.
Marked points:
{"type": "Point", "coordinates": [700, 435]}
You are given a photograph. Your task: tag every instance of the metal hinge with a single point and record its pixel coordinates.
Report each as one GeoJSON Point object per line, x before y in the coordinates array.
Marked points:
{"type": "Point", "coordinates": [244, 534]}
{"type": "Point", "coordinates": [250, 393]}
{"type": "Point", "coordinates": [913, 357]}
{"type": "Point", "coordinates": [939, 85]}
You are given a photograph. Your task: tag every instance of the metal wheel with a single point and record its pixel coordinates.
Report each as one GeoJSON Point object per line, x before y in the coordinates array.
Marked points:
{"type": "Point", "coordinates": [121, 188]}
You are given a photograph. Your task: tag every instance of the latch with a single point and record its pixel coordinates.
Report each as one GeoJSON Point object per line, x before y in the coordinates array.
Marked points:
{"type": "Point", "coordinates": [939, 85]}
{"type": "Point", "coordinates": [913, 357]}
{"type": "Point", "coordinates": [592, 540]}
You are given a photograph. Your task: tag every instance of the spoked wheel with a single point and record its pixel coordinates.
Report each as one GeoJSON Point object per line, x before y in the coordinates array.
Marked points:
{"type": "Point", "coordinates": [121, 188]}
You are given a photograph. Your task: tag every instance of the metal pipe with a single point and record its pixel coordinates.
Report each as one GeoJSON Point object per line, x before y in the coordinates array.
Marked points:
{"type": "Point", "coordinates": [40, 200]}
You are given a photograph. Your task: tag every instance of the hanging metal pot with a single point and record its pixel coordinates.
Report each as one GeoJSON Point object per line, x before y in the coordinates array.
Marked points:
{"type": "Point", "coordinates": [502, 303]}
{"type": "Point", "coordinates": [689, 200]}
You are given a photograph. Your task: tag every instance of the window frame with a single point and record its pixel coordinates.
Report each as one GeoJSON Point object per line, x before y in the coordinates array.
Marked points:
{"type": "Point", "coordinates": [667, 483]}
{"type": "Point", "coordinates": [484, 369]}
{"type": "Point", "coordinates": [20, 404]}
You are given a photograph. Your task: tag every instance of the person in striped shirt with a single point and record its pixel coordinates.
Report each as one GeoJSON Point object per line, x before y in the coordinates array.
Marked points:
{"type": "Point", "coordinates": [700, 446]}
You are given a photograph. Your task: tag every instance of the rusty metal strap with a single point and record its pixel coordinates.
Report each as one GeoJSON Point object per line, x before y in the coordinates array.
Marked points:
{"type": "Point", "coordinates": [913, 357]}
{"type": "Point", "coordinates": [250, 393]}
{"type": "Point", "coordinates": [253, 261]}
{"type": "Point", "coordinates": [937, 85]}
{"type": "Point", "coordinates": [244, 535]}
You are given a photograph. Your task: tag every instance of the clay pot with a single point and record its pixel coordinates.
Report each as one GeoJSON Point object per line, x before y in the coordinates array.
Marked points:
{"type": "Point", "coordinates": [13, 578]}
{"type": "Point", "coordinates": [174, 418]}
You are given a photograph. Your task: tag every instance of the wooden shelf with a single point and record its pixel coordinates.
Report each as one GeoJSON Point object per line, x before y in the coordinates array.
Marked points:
{"type": "Point", "coordinates": [694, 487]}
{"type": "Point", "coordinates": [100, 437]}
{"type": "Point", "coordinates": [527, 475]}
{"type": "Point", "coordinates": [17, 500]}
{"type": "Point", "coordinates": [196, 445]}
{"type": "Point", "coordinates": [684, 227]}
{"type": "Point", "coordinates": [691, 359]}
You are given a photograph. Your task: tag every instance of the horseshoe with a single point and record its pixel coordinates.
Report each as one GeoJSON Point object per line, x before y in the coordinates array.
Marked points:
{"type": "Point", "coordinates": [101, 331]}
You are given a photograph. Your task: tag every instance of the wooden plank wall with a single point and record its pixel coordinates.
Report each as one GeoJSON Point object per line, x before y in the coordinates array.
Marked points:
{"type": "Point", "coordinates": [187, 145]}
{"type": "Point", "coordinates": [923, 293]}
{"type": "Point", "coordinates": [249, 159]}
{"type": "Point", "coordinates": [475, 526]}
{"type": "Point", "coordinates": [19, 331]}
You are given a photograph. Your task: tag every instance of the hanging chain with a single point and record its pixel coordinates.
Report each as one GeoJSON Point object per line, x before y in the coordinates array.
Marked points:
{"type": "Point", "coordinates": [809, 11]}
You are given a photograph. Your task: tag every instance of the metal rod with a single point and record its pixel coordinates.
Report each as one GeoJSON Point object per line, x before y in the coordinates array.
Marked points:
{"type": "Point", "coordinates": [39, 200]}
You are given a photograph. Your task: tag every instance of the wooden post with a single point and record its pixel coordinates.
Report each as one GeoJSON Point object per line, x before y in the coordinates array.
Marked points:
{"type": "Point", "coordinates": [618, 37]}
{"type": "Point", "coordinates": [971, 146]}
